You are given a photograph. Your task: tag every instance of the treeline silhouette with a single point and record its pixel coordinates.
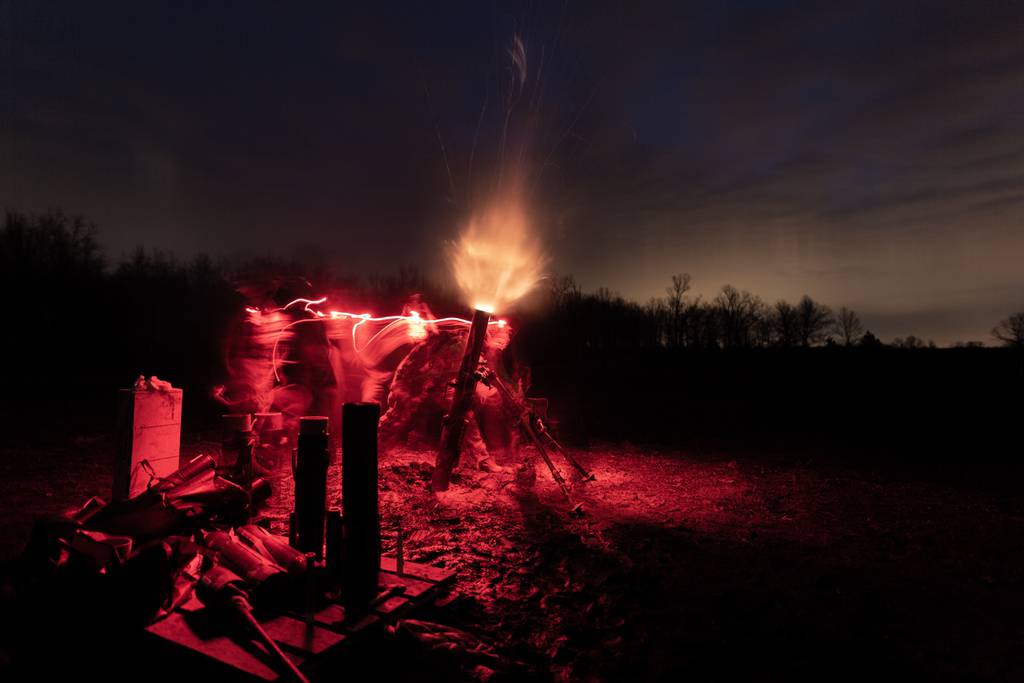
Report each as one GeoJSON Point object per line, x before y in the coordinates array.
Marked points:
{"type": "Point", "coordinates": [733, 319]}
{"type": "Point", "coordinates": [80, 327]}
{"type": "Point", "coordinates": [678, 370]}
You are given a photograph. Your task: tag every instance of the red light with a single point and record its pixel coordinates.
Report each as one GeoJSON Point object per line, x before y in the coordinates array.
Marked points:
{"type": "Point", "coordinates": [415, 322]}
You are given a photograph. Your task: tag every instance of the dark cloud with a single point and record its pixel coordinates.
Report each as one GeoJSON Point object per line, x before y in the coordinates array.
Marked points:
{"type": "Point", "coordinates": [867, 153]}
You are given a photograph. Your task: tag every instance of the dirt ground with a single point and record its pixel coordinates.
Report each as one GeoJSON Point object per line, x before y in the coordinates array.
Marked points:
{"type": "Point", "coordinates": [712, 565]}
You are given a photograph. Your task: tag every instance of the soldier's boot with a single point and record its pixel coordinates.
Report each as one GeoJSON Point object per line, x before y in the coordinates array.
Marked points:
{"type": "Point", "coordinates": [489, 465]}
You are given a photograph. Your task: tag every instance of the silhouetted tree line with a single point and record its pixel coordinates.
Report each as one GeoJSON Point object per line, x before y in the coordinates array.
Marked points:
{"type": "Point", "coordinates": [1010, 331]}
{"type": "Point", "coordinates": [79, 325]}
{"type": "Point", "coordinates": [732, 319]}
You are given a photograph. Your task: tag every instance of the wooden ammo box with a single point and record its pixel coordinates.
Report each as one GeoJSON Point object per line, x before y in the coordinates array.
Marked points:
{"type": "Point", "coordinates": [149, 430]}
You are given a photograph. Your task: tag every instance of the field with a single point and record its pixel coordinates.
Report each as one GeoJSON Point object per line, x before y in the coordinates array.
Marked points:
{"type": "Point", "coordinates": [708, 563]}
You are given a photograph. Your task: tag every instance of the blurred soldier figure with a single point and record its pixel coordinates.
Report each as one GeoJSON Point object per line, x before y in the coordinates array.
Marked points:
{"type": "Point", "coordinates": [496, 424]}
{"type": "Point", "coordinates": [277, 361]}
{"type": "Point", "coordinates": [420, 395]}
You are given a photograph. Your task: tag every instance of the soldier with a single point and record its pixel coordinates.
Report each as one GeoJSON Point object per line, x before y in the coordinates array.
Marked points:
{"type": "Point", "coordinates": [279, 359]}
{"type": "Point", "coordinates": [419, 394]}
{"type": "Point", "coordinates": [495, 422]}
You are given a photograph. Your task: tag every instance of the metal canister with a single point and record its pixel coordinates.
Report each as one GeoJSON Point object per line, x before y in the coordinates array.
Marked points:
{"type": "Point", "coordinates": [309, 465]}
{"type": "Point", "coordinates": [360, 562]}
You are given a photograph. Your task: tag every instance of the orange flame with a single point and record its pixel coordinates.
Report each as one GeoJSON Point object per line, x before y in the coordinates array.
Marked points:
{"type": "Point", "coordinates": [497, 260]}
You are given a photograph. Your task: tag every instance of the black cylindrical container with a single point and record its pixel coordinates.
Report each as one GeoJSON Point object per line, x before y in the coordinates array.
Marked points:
{"type": "Point", "coordinates": [333, 546]}
{"type": "Point", "coordinates": [310, 469]}
{"type": "Point", "coordinates": [361, 560]}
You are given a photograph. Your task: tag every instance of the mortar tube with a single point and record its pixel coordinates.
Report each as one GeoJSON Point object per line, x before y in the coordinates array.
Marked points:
{"type": "Point", "coordinates": [462, 401]}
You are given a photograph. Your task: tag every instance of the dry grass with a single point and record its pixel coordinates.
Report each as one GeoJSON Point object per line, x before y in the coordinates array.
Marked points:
{"type": "Point", "coordinates": [711, 563]}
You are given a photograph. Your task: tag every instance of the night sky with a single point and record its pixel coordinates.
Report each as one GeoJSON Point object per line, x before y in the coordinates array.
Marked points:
{"type": "Point", "coordinates": [871, 156]}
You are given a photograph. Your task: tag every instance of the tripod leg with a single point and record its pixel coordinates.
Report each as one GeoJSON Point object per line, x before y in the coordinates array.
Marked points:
{"type": "Point", "coordinates": [555, 474]}
{"type": "Point", "coordinates": [584, 472]}
{"type": "Point", "coordinates": [587, 475]}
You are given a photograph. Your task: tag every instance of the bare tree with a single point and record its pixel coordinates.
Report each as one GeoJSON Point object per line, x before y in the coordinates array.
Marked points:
{"type": "Point", "coordinates": [813, 321]}
{"type": "Point", "coordinates": [680, 286]}
{"type": "Point", "coordinates": [564, 289]}
{"type": "Point", "coordinates": [657, 311]}
{"type": "Point", "coordinates": [738, 313]}
{"type": "Point", "coordinates": [764, 325]}
{"type": "Point", "coordinates": [847, 326]}
{"type": "Point", "coordinates": [1010, 330]}
{"type": "Point", "coordinates": [676, 308]}
{"type": "Point", "coordinates": [700, 329]}
{"type": "Point", "coordinates": [787, 329]}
